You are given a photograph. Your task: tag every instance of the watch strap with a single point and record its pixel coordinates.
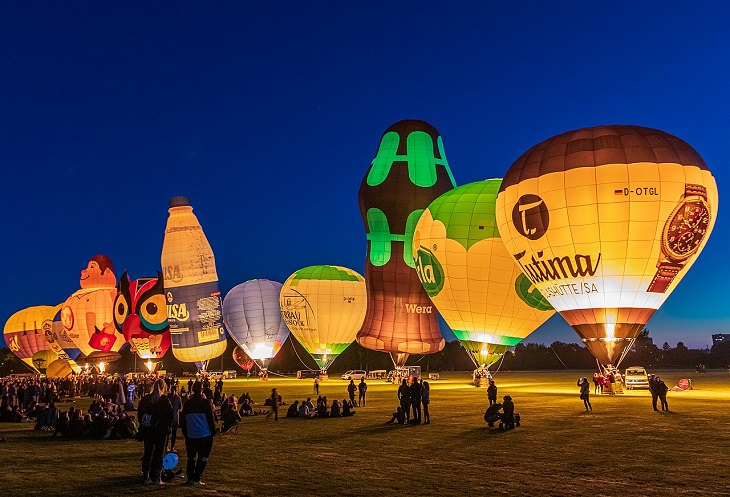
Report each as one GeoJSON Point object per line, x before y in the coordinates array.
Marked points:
{"type": "Point", "coordinates": [698, 190]}
{"type": "Point", "coordinates": [666, 272]}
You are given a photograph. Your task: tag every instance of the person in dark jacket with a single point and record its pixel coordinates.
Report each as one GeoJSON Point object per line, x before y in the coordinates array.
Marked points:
{"type": "Point", "coordinates": [404, 395]}
{"type": "Point", "coordinates": [508, 413]}
{"type": "Point", "coordinates": [653, 390]}
{"type": "Point", "coordinates": [198, 427]}
{"type": "Point", "coordinates": [662, 390]}
{"type": "Point", "coordinates": [155, 423]}
{"type": "Point", "coordinates": [492, 415]}
{"type": "Point", "coordinates": [492, 392]}
{"type": "Point", "coordinates": [416, 401]}
{"type": "Point", "coordinates": [585, 392]}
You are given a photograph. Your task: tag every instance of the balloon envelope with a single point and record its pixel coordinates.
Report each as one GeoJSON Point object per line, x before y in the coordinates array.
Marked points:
{"type": "Point", "coordinates": [605, 222]}
{"type": "Point", "coordinates": [408, 172]}
{"type": "Point", "coordinates": [191, 287]}
{"type": "Point", "coordinates": [252, 316]}
{"type": "Point", "coordinates": [324, 307]}
{"type": "Point", "coordinates": [469, 275]}
{"type": "Point", "coordinates": [140, 314]}
{"type": "Point", "coordinates": [87, 315]}
{"type": "Point", "coordinates": [25, 332]}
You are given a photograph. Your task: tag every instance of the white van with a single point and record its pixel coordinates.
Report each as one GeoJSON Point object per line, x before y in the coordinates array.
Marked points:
{"type": "Point", "coordinates": [354, 374]}
{"type": "Point", "coordinates": [636, 377]}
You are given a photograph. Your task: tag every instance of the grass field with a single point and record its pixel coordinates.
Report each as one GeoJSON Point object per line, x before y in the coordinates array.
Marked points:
{"type": "Point", "coordinates": [622, 448]}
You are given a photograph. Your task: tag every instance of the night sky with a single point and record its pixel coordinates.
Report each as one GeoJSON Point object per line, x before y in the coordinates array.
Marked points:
{"type": "Point", "coordinates": [267, 115]}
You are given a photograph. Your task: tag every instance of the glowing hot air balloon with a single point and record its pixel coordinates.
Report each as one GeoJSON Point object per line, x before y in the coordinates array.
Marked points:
{"type": "Point", "coordinates": [466, 270]}
{"type": "Point", "coordinates": [191, 287]}
{"type": "Point", "coordinates": [605, 222]}
{"type": "Point", "coordinates": [253, 318]}
{"type": "Point", "coordinates": [242, 359]}
{"type": "Point", "coordinates": [87, 315]}
{"type": "Point", "coordinates": [324, 307]}
{"type": "Point", "coordinates": [140, 313]}
{"type": "Point", "coordinates": [25, 335]}
{"type": "Point", "coordinates": [409, 171]}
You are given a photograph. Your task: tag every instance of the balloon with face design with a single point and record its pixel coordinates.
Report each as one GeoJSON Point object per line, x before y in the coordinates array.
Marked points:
{"type": "Point", "coordinates": [140, 313]}
{"type": "Point", "coordinates": [87, 315]}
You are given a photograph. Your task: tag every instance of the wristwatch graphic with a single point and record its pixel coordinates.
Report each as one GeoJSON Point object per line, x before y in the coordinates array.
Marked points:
{"type": "Point", "coordinates": [682, 235]}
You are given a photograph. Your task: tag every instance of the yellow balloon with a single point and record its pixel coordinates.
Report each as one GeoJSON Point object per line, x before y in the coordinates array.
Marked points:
{"type": "Point", "coordinates": [25, 332]}
{"type": "Point", "coordinates": [324, 308]}
{"type": "Point", "coordinates": [605, 222]}
{"type": "Point", "coordinates": [469, 275]}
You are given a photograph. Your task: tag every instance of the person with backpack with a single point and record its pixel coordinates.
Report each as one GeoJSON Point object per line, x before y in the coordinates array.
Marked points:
{"type": "Point", "coordinates": [155, 423]}
{"type": "Point", "coordinates": [198, 427]}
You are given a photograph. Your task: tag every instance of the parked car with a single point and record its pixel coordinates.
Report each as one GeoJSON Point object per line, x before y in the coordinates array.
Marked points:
{"type": "Point", "coordinates": [636, 377]}
{"type": "Point", "coordinates": [355, 374]}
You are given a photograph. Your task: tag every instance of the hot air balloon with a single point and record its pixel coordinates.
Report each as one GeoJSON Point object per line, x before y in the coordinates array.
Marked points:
{"type": "Point", "coordinates": [242, 359]}
{"type": "Point", "coordinates": [409, 171]}
{"type": "Point", "coordinates": [253, 318]}
{"type": "Point", "coordinates": [191, 287]}
{"type": "Point", "coordinates": [466, 270]}
{"type": "Point", "coordinates": [605, 222]}
{"type": "Point", "coordinates": [87, 315]}
{"type": "Point", "coordinates": [324, 307]}
{"type": "Point", "coordinates": [25, 335]}
{"type": "Point", "coordinates": [140, 314]}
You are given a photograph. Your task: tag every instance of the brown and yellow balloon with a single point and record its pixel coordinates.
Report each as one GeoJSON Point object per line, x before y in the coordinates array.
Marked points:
{"type": "Point", "coordinates": [605, 222]}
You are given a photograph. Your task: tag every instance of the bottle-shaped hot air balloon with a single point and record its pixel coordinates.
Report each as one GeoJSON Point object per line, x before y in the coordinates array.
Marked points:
{"type": "Point", "coordinates": [25, 335]}
{"type": "Point", "coordinates": [140, 314]}
{"type": "Point", "coordinates": [409, 171]}
{"type": "Point", "coordinates": [469, 275]}
{"type": "Point", "coordinates": [605, 222]}
{"type": "Point", "coordinates": [253, 318]}
{"type": "Point", "coordinates": [87, 315]}
{"type": "Point", "coordinates": [324, 307]}
{"type": "Point", "coordinates": [191, 287]}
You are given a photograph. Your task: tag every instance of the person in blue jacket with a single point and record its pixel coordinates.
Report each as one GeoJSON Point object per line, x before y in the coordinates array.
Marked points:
{"type": "Point", "coordinates": [198, 427]}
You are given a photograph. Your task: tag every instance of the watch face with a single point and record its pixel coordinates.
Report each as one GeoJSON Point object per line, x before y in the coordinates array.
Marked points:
{"type": "Point", "coordinates": [686, 228]}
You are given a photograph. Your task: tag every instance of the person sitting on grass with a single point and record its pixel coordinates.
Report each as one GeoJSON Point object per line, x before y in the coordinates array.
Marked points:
{"type": "Point", "coordinates": [335, 410]}
{"type": "Point", "coordinates": [347, 409]}
{"type": "Point", "coordinates": [399, 417]}
{"type": "Point", "coordinates": [304, 410]}
{"type": "Point", "coordinates": [293, 410]}
{"type": "Point", "coordinates": [230, 419]}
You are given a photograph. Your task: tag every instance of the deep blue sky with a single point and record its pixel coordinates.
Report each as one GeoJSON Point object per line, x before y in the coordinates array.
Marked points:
{"type": "Point", "coordinates": [267, 115]}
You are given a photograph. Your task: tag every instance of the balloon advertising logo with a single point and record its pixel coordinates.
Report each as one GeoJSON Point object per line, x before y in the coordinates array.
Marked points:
{"type": "Point", "coordinates": [531, 217]}
{"type": "Point", "coordinates": [429, 271]}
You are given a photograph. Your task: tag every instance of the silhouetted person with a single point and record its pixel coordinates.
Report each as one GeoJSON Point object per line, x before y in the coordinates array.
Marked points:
{"type": "Point", "coordinates": [404, 395]}
{"type": "Point", "coordinates": [426, 400]}
{"type": "Point", "coordinates": [508, 416]}
{"type": "Point", "coordinates": [662, 392]}
{"type": "Point", "coordinates": [585, 393]}
{"type": "Point", "coordinates": [198, 427]}
{"type": "Point", "coordinates": [492, 392]}
{"type": "Point", "coordinates": [654, 390]}
{"type": "Point", "coordinates": [415, 389]}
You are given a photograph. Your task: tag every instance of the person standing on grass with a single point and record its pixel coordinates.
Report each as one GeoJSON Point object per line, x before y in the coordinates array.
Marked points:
{"type": "Point", "coordinates": [316, 385]}
{"type": "Point", "coordinates": [176, 402]}
{"type": "Point", "coordinates": [198, 427]}
{"type": "Point", "coordinates": [404, 395]}
{"type": "Point", "coordinates": [662, 390]}
{"type": "Point", "coordinates": [585, 392]}
{"type": "Point", "coordinates": [426, 400]}
{"type": "Point", "coordinates": [155, 421]}
{"type": "Point", "coordinates": [492, 392]}
{"type": "Point", "coordinates": [274, 405]}
{"type": "Point", "coordinates": [362, 388]}
{"type": "Point", "coordinates": [351, 389]}
{"type": "Point", "coordinates": [653, 390]}
{"type": "Point", "coordinates": [416, 401]}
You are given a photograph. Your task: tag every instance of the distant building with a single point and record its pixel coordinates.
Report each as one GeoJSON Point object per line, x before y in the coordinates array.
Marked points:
{"type": "Point", "coordinates": [720, 338]}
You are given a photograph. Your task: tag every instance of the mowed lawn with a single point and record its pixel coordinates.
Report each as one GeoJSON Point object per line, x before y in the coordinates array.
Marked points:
{"type": "Point", "coordinates": [622, 448]}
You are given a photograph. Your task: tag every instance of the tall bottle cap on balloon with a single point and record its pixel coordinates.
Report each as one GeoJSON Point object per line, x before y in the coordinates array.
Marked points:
{"type": "Point", "coordinates": [180, 201]}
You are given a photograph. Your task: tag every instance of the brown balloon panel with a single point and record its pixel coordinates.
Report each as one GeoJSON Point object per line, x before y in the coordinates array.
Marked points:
{"type": "Point", "coordinates": [400, 316]}
{"type": "Point", "coordinates": [598, 146]}
{"type": "Point", "coordinates": [99, 356]}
